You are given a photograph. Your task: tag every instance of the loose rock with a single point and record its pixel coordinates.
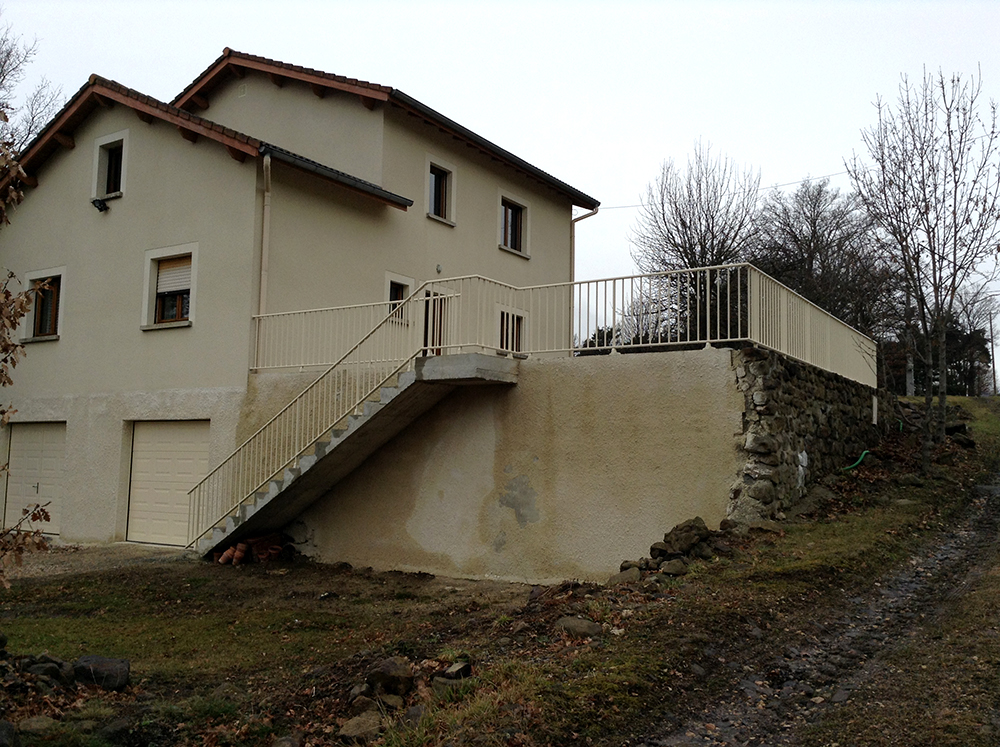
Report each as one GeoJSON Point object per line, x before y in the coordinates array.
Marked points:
{"type": "Point", "coordinates": [579, 627]}
{"type": "Point", "coordinates": [363, 728]}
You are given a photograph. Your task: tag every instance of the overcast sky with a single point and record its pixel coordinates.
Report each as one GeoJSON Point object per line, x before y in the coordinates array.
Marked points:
{"type": "Point", "coordinates": [598, 94]}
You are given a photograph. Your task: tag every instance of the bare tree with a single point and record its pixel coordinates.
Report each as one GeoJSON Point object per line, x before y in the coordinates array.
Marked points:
{"type": "Point", "coordinates": [933, 188]}
{"type": "Point", "coordinates": [22, 121]}
{"type": "Point", "coordinates": [820, 244]}
{"type": "Point", "coordinates": [698, 216]}
{"type": "Point", "coordinates": [18, 124]}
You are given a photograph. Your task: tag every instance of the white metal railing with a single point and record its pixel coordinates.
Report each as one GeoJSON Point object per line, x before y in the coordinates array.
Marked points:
{"type": "Point", "coordinates": [315, 337]}
{"type": "Point", "coordinates": [730, 303]}
{"type": "Point", "coordinates": [725, 305]}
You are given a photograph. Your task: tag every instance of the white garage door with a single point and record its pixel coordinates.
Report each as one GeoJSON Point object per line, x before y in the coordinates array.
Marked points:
{"type": "Point", "coordinates": [168, 459]}
{"type": "Point", "coordinates": [35, 471]}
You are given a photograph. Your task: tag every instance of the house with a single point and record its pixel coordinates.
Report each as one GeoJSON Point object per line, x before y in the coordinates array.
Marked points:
{"type": "Point", "coordinates": [165, 229]}
{"type": "Point", "coordinates": [292, 300]}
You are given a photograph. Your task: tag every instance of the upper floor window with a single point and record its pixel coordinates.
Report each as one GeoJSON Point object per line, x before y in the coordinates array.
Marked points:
{"type": "Point", "coordinates": [113, 168]}
{"type": "Point", "coordinates": [109, 165]}
{"type": "Point", "coordinates": [173, 289]}
{"type": "Point", "coordinates": [511, 225]}
{"type": "Point", "coordinates": [169, 288]}
{"type": "Point", "coordinates": [46, 317]}
{"type": "Point", "coordinates": [440, 191]}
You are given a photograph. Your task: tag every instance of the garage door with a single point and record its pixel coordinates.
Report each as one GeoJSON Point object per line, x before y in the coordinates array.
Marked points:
{"type": "Point", "coordinates": [35, 471]}
{"type": "Point", "coordinates": [168, 459]}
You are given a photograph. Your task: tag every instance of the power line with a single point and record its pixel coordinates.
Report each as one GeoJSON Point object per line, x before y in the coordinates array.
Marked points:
{"type": "Point", "coordinates": [773, 186]}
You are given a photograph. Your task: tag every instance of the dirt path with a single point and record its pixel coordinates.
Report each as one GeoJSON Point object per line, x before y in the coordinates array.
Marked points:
{"type": "Point", "coordinates": [838, 658]}
{"type": "Point", "coordinates": [72, 559]}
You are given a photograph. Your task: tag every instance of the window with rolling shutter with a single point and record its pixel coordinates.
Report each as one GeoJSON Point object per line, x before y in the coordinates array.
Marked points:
{"type": "Point", "coordinates": [173, 289]}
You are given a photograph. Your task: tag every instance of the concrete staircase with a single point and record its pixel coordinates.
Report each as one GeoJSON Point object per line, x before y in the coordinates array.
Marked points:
{"type": "Point", "coordinates": [340, 451]}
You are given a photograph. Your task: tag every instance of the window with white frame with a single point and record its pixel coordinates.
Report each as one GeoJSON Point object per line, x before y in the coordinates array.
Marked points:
{"type": "Point", "coordinates": [513, 225]}
{"type": "Point", "coordinates": [47, 307]}
{"type": "Point", "coordinates": [398, 289]}
{"type": "Point", "coordinates": [173, 289]}
{"type": "Point", "coordinates": [169, 289]}
{"type": "Point", "coordinates": [511, 331]}
{"type": "Point", "coordinates": [44, 319]}
{"type": "Point", "coordinates": [109, 165]}
{"type": "Point", "coordinates": [440, 191]}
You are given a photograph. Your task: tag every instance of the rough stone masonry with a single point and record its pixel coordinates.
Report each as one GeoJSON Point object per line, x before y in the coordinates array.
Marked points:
{"type": "Point", "coordinates": [799, 423]}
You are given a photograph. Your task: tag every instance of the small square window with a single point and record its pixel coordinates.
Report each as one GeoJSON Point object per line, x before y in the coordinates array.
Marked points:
{"type": "Point", "coordinates": [173, 289]}
{"type": "Point", "coordinates": [511, 328]}
{"type": "Point", "coordinates": [398, 293]}
{"type": "Point", "coordinates": [46, 317]}
{"type": "Point", "coordinates": [439, 192]}
{"type": "Point", "coordinates": [512, 225]}
{"type": "Point", "coordinates": [113, 175]}
{"type": "Point", "coordinates": [110, 169]}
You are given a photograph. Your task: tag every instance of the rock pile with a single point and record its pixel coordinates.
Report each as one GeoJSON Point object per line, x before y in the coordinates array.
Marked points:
{"type": "Point", "coordinates": [911, 418]}
{"type": "Point", "coordinates": [392, 689]}
{"type": "Point", "coordinates": [44, 673]}
{"type": "Point", "coordinates": [688, 541]}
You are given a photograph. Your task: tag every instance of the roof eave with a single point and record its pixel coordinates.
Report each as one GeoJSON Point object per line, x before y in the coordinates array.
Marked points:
{"type": "Point", "coordinates": [463, 133]}
{"type": "Point", "coordinates": [338, 177]}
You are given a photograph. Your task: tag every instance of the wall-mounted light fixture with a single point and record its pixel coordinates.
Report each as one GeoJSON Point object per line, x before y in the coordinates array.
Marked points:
{"type": "Point", "coordinates": [101, 205]}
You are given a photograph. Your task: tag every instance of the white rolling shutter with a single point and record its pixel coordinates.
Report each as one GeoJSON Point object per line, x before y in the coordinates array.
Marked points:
{"type": "Point", "coordinates": [173, 274]}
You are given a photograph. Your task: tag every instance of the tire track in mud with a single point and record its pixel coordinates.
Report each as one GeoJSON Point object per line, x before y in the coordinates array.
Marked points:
{"type": "Point", "coordinates": [799, 683]}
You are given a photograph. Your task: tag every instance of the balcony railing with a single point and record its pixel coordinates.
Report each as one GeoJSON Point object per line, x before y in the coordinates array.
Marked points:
{"type": "Point", "coordinates": [714, 305]}
{"type": "Point", "coordinates": [727, 304]}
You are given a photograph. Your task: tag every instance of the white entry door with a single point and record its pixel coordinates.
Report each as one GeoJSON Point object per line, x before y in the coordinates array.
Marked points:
{"type": "Point", "coordinates": [35, 471]}
{"type": "Point", "coordinates": [168, 459]}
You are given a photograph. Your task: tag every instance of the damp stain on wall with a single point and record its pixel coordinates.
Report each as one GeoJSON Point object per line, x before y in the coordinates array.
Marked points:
{"type": "Point", "coordinates": [520, 496]}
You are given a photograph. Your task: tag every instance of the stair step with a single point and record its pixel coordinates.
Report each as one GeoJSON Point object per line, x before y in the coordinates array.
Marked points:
{"type": "Point", "coordinates": [310, 456]}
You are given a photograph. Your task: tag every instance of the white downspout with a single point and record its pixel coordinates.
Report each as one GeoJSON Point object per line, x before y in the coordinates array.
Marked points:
{"type": "Point", "coordinates": [572, 263]}
{"type": "Point", "coordinates": [572, 241]}
{"type": "Point", "coordinates": [265, 238]}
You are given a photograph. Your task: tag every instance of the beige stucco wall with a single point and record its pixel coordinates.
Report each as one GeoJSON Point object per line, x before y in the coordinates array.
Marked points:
{"type": "Point", "coordinates": [585, 462]}
{"type": "Point", "coordinates": [471, 246]}
{"type": "Point", "coordinates": [331, 247]}
{"type": "Point", "coordinates": [104, 371]}
{"type": "Point", "coordinates": [336, 130]}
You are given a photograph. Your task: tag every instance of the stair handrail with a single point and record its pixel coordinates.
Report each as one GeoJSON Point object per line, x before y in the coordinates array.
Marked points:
{"type": "Point", "coordinates": [198, 527]}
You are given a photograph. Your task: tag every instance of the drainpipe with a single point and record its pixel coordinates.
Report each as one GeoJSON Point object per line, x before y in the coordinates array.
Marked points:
{"type": "Point", "coordinates": [572, 262]}
{"type": "Point", "coordinates": [572, 242]}
{"type": "Point", "coordinates": [265, 238]}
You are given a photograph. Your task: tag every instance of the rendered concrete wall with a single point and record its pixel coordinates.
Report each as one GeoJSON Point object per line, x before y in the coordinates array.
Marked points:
{"type": "Point", "coordinates": [331, 247]}
{"type": "Point", "coordinates": [336, 131]}
{"type": "Point", "coordinates": [584, 462]}
{"type": "Point", "coordinates": [105, 371]}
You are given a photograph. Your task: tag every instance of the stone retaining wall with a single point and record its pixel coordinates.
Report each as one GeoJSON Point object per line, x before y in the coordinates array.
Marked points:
{"type": "Point", "coordinates": [800, 423]}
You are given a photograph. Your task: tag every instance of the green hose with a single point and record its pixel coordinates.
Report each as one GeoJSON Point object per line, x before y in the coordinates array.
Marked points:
{"type": "Point", "coordinates": [860, 459]}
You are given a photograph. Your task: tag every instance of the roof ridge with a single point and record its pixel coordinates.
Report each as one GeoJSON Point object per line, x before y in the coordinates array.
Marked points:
{"type": "Point", "coordinates": [230, 52]}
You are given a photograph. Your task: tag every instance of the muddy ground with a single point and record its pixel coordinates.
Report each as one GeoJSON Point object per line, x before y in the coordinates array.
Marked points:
{"type": "Point", "coordinates": [873, 620]}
